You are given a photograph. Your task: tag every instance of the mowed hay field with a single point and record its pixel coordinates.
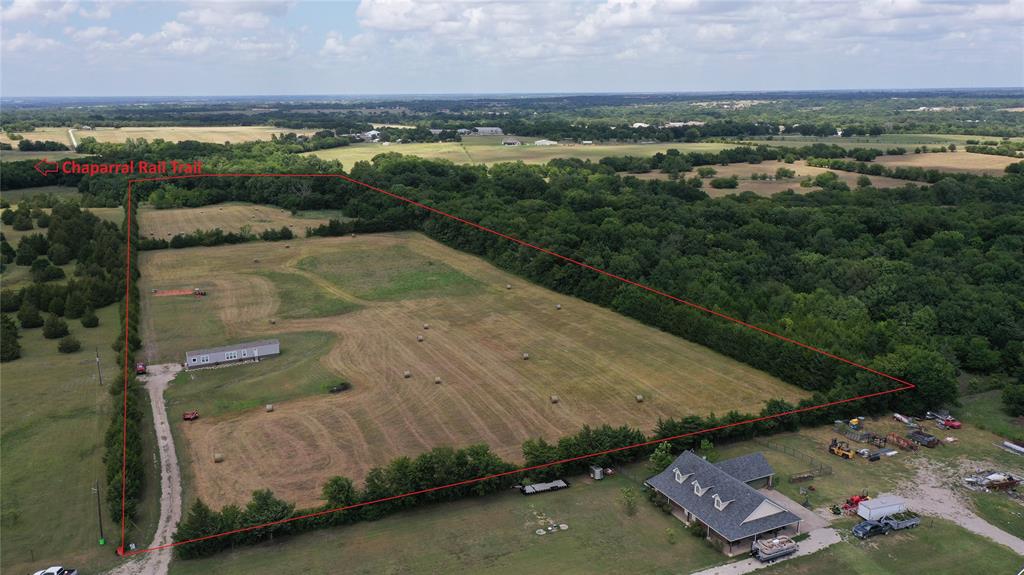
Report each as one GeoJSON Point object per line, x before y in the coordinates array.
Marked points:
{"type": "Point", "coordinates": [488, 150]}
{"type": "Point", "coordinates": [230, 217]}
{"type": "Point", "coordinates": [210, 134]}
{"type": "Point", "coordinates": [383, 288]}
{"type": "Point", "coordinates": [769, 187]}
{"type": "Point", "coordinates": [958, 161]}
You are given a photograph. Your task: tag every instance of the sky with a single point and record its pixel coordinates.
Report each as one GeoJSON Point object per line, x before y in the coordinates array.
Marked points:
{"type": "Point", "coordinates": [148, 48]}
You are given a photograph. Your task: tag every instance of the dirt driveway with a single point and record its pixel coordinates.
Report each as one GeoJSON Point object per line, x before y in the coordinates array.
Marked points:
{"type": "Point", "coordinates": [158, 562]}
{"type": "Point", "coordinates": [930, 494]}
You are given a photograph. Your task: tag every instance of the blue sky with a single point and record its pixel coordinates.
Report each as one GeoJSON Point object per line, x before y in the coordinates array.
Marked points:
{"type": "Point", "coordinates": [145, 48]}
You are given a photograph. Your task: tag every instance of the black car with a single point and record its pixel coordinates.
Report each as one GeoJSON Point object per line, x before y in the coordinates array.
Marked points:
{"type": "Point", "coordinates": [868, 529]}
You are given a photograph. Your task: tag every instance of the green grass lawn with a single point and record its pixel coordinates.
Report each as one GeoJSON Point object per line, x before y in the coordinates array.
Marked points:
{"type": "Point", "coordinates": [55, 415]}
{"type": "Point", "coordinates": [388, 274]}
{"type": "Point", "coordinates": [294, 373]}
{"type": "Point", "coordinates": [936, 547]}
{"type": "Point", "coordinates": [301, 299]}
{"type": "Point", "coordinates": [17, 156]}
{"type": "Point", "coordinates": [999, 510]}
{"type": "Point", "coordinates": [490, 535]}
{"type": "Point", "coordinates": [64, 192]}
{"type": "Point", "coordinates": [985, 410]}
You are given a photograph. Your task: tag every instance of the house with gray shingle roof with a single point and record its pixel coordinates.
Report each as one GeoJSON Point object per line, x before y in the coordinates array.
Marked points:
{"type": "Point", "coordinates": [721, 499]}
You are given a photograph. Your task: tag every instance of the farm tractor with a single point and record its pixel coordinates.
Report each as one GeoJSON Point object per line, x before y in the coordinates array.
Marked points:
{"type": "Point", "coordinates": [840, 448]}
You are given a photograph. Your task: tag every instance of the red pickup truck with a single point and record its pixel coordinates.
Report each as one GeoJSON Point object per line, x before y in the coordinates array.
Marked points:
{"type": "Point", "coordinates": [140, 368]}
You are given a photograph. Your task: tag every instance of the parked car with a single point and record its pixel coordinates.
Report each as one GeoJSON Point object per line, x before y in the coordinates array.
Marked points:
{"type": "Point", "coordinates": [868, 529]}
{"type": "Point", "coordinates": [140, 368]}
{"type": "Point", "coordinates": [57, 570]}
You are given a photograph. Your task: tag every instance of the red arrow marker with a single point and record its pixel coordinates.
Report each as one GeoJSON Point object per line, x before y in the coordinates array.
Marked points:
{"type": "Point", "coordinates": [46, 167]}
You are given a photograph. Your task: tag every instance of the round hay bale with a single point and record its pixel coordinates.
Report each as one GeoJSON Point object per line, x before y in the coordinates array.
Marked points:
{"type": "Point", "coordinates": [273, 322]}
{"type": "Point", "coordinates": [563, 526]}
{"type": "Point", "coordinates": [287, 247]}
{"type": "Point", "coordinates": [407, 374]}
{"type": "Point", "coordinates": [353, 235]}
{"type": "Point", "coordinates": [508, 286]}
{"type": "Point", "coordinates": [255, 260]}
{"type": "Point", "coordinates": [554, 399]}
{"type": "Point", "coordinates": [419, 338]}
{"type": "Point", "coordinates": [437, 380]}
{"type": "Point", "coordinates": [426, 326]}
{"type": "Point", "coordinates": [270, 407]}
{"type": "Point", "coordinates": [558, 306]}
{"type": "Point", "coordinates": [541, 532]}
{"type": "Point", "coordinates": [639, 398]}
{"type": "Point", "coordinates": [526, 355]}
{"type": "Point", "coordinates": [218, 457]}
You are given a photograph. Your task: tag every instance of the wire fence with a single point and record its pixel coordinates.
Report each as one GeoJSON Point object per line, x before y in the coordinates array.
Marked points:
{"type": "Point", "coordinates": [816, 469]}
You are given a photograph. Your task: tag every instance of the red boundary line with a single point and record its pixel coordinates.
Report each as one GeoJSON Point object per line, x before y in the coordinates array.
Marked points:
{"type": "Point", "coordinates": [905, 385]}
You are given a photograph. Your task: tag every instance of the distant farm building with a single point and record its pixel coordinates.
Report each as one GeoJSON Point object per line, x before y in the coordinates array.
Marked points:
{"type": "Point", "coordinates": [683, 124]}
{"type": "Point", "coordinates": [545, 143]}
{"type": "Point", "coordinates": [511, 142]}
{"type": "Point", "coordinates": [371, 136]}
{"type": "Point", "coordinates": [489, 131]}
{"type": "Point", "coordinates": [722, 498]}
{"type": "Point", "coordinates": [436, 131]}
{"type": "Point", "coordinates": [463, 131]}
{"type": "Point", "coordinates": [640, 125]}
{"type": "Point", "coordinates": [239, 352]}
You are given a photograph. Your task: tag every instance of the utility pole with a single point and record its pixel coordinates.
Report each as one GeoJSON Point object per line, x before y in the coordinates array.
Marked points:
{"type": "Point", "coordinates": [99, 373]}
{"type": "Point", "coordinates": [99, 512]}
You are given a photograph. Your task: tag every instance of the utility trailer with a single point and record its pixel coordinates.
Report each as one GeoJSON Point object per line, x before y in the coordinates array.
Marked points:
{"type": "Point", "coordinates": [902, 520]}
{"type": "Point", "coordinates": [536, 488]}
{"type": "Point", "coordinates": [769, 550]}
{"type": "Point", "coordinates": [922, 438]}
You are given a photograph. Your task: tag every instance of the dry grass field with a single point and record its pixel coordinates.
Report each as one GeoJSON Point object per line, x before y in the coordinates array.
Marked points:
{"type": "Point", "coordinates": [230, 217]}
{"type": "Point", "coordinates": [211, 134]}
{"type": "Point", "coordinates": [958, 161]}
{"type": "Point", "coordinates": [357, 306]}
{"type": "Point", "coordinates": [769, 187]}
{"type": "Point", "coordinates": [488, 150]}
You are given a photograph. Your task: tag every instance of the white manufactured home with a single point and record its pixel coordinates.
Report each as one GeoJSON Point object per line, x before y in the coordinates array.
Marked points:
{"type": "Point", "coordinates": [248, 351]}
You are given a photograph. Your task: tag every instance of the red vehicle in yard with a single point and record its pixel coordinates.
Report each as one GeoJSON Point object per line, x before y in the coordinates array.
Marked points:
{"type": "Point", "coordinates": [190, 415]}
{"type": "Point", "coordinates": [944, 419]}
{"type": "Point", "coordinates": [140, 368]}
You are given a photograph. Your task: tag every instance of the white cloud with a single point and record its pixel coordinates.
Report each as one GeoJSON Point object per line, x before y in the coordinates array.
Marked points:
{"type": "Point", "coordinates": [36, 10]}
{"type": "Point", "coordinates": [29, 42]}
{"type": "Point", "coordinates": [89, 34]}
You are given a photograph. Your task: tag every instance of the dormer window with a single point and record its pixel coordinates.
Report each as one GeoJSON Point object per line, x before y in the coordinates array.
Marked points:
{"type": "Point", "coordinates": [680, 476]}
{"type": "Point", "coordinates": [698, 490]}
{"type": "Point", "coordinates": [721, 505]}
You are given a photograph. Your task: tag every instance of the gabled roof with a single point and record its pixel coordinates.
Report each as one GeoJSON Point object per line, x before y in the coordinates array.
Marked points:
{"type": "Point", "coordinates": [747, 468]}
{"type": "Point", "coordinates": [727, 505]}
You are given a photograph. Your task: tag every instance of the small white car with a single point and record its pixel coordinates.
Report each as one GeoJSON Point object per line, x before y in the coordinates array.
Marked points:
{"type": "Point", "coordinates": [57, 570]}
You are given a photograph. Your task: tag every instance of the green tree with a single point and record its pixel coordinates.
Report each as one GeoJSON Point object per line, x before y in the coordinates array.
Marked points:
{"type": "Point", "coordinates": [68, 344]}
{"type": "Point", "coordinates": [54, 327]}
{"type": "Point", "coordinates": [89, 318]}
{"type": "Point", "coordinates": [706, 171]}
{"type": "Point", "coordinates": [74, 305]}
{"type": "Point", "coordinates": [200, 522]}
{"type": "Point", "coordinates": [10, 348]}
{"type": "Point", "coordinates": [661, 458]}
{"type": "Point", "coordinates": [707, 450]}
{"type": "Point", "coordinates": [863, 181]}
{"type": "Point", "coordinates": [1013, 399]}
{"type": "Point", "coordinates": [339, 492]}
{"type": "Point", "coordinates": [28, 315]}
{"type": "Point", "coordinates": [628, 497]}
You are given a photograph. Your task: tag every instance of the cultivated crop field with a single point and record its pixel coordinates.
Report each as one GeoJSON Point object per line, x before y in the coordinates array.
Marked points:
{"type": "Point", "coordinates": [352, 308]}
{"type": "Point", "coordinates": [230, 217]}
{"type": "Point", "coordinates": [958, 161]}
{"type": "Point", "coordinates": [210, 134]}
{"type": "Point", "coordinates": [488, 150]}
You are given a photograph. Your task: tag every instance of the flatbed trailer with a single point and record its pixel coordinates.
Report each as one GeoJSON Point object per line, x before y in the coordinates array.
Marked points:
{"type": "Point", "coordinates": [536, 488]}
{"type": "Point", "coordinates": [903, 520]}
